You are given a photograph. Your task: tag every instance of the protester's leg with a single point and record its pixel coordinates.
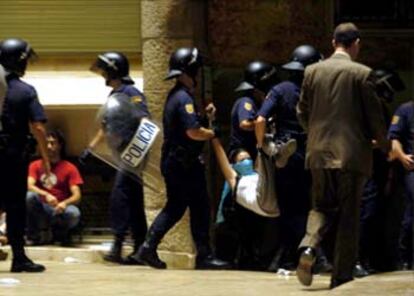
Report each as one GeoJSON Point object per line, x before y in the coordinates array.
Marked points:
{"type": "Point", "coordinates": [37, 218]}
{"type": "Point", "coordinates": [63, 223]}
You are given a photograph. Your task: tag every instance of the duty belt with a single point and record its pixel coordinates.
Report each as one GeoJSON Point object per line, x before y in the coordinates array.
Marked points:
{"type": "Point", "coordinates": [185, 156]}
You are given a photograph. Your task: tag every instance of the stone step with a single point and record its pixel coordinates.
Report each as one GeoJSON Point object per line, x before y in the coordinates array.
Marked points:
{"type": "Point", "coordinates": [92, 253]}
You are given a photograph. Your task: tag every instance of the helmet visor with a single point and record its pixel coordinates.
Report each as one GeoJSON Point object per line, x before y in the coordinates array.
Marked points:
{"type": "Point", "coordinates": [98, 67]}
{"type": "Point", "coordinates": [31, 55]}
{"type": "Point", "coordinates": [294, 66]}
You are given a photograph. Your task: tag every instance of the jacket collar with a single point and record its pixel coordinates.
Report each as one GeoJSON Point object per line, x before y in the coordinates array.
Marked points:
{"type": "Point", "coordinates": [341, 55]}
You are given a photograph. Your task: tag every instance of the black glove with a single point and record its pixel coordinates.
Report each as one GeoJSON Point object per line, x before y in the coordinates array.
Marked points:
{"type": "Point", "coordinates": [85, 156]}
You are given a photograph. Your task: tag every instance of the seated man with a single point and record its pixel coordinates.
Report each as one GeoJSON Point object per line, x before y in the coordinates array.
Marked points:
{"type": "Point", "coordinates": [51, 210]}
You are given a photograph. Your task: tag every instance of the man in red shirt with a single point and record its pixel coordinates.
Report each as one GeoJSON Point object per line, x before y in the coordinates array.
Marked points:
{"type": "Point", "coordinates": [51, 210]}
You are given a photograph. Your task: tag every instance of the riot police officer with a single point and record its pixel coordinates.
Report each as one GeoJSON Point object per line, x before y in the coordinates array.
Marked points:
{"type": "Point", "coordinates": [259, 76]}
{"type": "Point", "coordinates": [253, 241]}
{"type": "Point", "coordinates": [374, 202]}
{"type": "Point", "coordinates": [401, 132]}
{"type": "Point", "coordinates": [21, 111]}
{"type": "Point", "coordinates": [293, 182]}
{"type": "Point", "coordinates": [127, 196]}
{"type": "Point", "coordinates": [182, 165]}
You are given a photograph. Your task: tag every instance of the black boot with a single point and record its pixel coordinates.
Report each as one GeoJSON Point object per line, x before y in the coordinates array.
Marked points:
{"type": "Point", "coordinates": [24, 264]}
{"type": "Point", "coordinates": [149, 256]}
{"type": "Point", "coordinates": [147, 252]}
{"type": "Point", "coordinates": [115, 253]}
{"type": "Point", "coordinates": [132, 259]}
{"type": "Point", "coordinates": [211, 262]}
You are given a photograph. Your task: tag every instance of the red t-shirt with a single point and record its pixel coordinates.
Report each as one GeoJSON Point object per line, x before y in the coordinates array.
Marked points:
{"type": "Point", "coordinates": [64, 175]}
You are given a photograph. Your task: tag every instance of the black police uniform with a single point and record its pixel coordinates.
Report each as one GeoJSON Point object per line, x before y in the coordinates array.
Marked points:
{"type": "Point", "coordinates": [243, 109]}
{"type": "Point", "coordinates": [402, 129]}
{"type": "Point", "coordinates": [292, 182]}
{"type": "Point", "coordinates": [127, 196]}
{"type": "Point", "coordinates": [184, 173]}
{"type": "Point", "coordinates": [21, 107]}
{"type": "Point", "coordinates": [373, 203]}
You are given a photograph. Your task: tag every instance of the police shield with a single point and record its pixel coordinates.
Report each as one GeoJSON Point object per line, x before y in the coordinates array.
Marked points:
{"type": "Point", "coordinates": [131, 142]}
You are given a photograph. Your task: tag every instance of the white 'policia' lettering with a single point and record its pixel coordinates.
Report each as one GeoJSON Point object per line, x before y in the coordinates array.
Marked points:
{"type": "Point", "coordinates": [140, 144]}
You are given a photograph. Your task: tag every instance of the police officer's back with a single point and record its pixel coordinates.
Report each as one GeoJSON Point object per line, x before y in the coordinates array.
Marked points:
{"type": "Point", "coordinates": [21, 111]}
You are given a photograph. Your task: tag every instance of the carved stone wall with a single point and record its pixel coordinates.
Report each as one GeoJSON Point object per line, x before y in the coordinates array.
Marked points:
{"type": "Point", "coordinates": [167, 25]}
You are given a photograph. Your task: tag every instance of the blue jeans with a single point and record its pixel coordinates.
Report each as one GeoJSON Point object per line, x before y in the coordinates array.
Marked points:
{"type": "Point", "coordinates": [41, 217]}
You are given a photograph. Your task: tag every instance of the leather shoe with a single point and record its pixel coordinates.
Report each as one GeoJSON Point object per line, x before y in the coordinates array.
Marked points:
{"type": "Point", "coordinates": [149, 257]}
{"type": "Point", "coordinates": [26, 265]}
{"type": "Point", "coordinates": [210, 262]}
{"type": "Point", "coordinates": [304, 269]}
{"type": "Point", "coordinates": [360, 271]}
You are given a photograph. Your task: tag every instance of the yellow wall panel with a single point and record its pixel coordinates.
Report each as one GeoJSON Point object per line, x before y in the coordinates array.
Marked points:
{"type": "Point", "coordinates": [73, 25]}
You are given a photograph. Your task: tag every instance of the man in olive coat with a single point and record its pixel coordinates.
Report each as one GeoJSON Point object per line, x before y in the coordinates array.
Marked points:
{"type": "Point", "coordinates": [342, 115]}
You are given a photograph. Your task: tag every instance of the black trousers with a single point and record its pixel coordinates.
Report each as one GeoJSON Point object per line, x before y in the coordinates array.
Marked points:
{"type": "Point", "coordinates": [336, 196]}
{"type": "Point", "coordinates": [13, 183]}
{"type": "Point", "coordinates": [127, 208]}
{"type": "Point", "coordinates": [186, 187]}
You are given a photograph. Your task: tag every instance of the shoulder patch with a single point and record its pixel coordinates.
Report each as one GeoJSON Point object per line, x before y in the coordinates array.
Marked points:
{"type": "Point", "coordinates": [189, 108]}
{"type": "Point", "coordinates": [136, 99]}
{"type": "Point", "coordinates": [248, 106]}
{"type": "Point", "coordinates": [395, 119]}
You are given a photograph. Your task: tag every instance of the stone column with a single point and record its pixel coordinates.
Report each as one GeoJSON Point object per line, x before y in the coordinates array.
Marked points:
{"type": "Point", "coordinates": [167, 25]}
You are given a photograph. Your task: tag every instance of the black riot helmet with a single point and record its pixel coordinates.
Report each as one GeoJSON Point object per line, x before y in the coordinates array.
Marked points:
{"type": "Point", "coordinates": [303, 56]}
{"type": "Point", "coordinates": [258, 75]}
{"type": "Point", "coordinates": [184, 60]}
{"type": "Point", "coordinates": [114, 64]}
{"type": "Point", "coordinates": [388, 83]}
{"type": "Point", "coordinates": [14, 55]}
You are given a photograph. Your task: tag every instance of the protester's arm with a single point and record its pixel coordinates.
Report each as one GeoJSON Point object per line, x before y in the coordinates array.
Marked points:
{"type": "Point", "coordinates": [229, 174]}
{"type": "Point", "coordinates": [260, 130]}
